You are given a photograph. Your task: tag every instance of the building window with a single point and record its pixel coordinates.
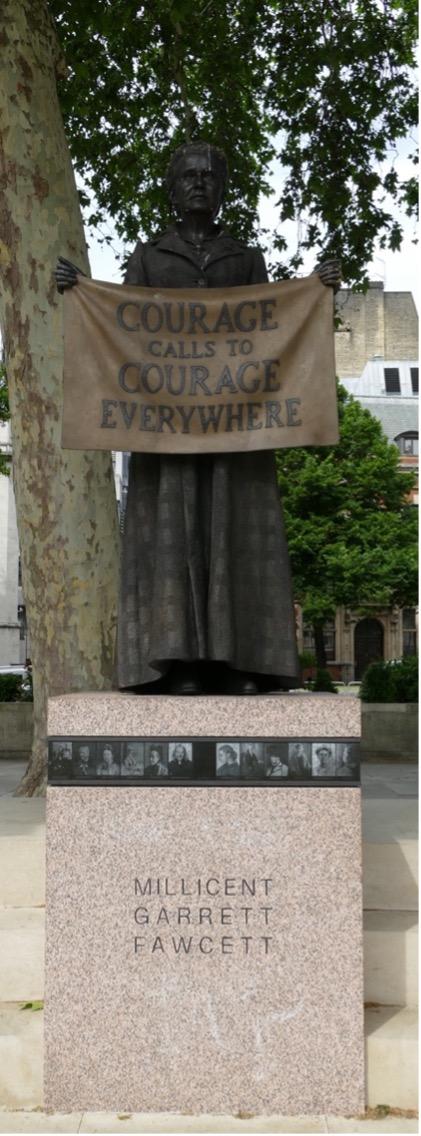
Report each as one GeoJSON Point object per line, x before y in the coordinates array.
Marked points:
{"type": "Point", "coordinates": [329, 635]}
{"type": "Point", "coordinates": [407, 443]}
{"type": "Point", "coordinates": [414, 380]}
{"type": "Point", "coordinates": [409, 631]}
{"type": "Point", "coordinates": [392, 380]}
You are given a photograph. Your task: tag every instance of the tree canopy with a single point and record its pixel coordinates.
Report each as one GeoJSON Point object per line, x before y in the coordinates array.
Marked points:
{"type": "Point", "coordinates": [352, 534]}
{"type": "Point", "coordinates": [326, 88]}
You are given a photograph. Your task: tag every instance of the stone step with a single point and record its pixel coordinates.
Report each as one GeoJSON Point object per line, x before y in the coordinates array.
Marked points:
{"type": "Point", "coordinates": [391, 1053]}
{"type": "Point", "coordinates": [22, 851]}
{"type": "Point", "coordinates": [22, 935]}
{"type": "Point", "coordinates": [21, 1057]}
{"type": "Point", "coordinates": [390, 876]}
{"type": "Point", "coordinates": [391, 958]}
{"type": "Point", "coordinates": [390, 871]}
{"type": "Point", "coordinates": [392, 1057]}
{"type": "Point", "coordinates": [390, 854]}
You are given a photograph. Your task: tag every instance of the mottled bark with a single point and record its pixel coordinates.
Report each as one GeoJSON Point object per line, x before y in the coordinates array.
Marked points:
{"type": "Point", "coordinates": [65, 500]}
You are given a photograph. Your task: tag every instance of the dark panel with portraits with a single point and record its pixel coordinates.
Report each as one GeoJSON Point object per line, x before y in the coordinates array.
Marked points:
{"type": "Point", "coordinates": [195, 761]}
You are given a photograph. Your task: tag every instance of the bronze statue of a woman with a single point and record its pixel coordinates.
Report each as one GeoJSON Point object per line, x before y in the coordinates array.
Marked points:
{"type": "Point", "coordinates": [205, 599]}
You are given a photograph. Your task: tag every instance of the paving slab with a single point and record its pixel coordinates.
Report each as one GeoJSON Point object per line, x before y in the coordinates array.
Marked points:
{"type": "Point", "coordinates": [41, 1122]}
{"type": "Point", "coordinates": [12, 771]}
{"type": "Point", "coordinates": [169, 1122]}
{"type": "Point", "coordinates": [389, 779]}
{"type": "Point", "coordinates": [38, 1121]}
{"type": "Point", "coordinates": [392, 1124]}
{"type": "Point", "coordinates": [21, 816]}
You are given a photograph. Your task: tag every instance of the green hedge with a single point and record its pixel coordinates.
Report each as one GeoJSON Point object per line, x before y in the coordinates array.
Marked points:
{"type": "Point", "coordinates": [395, 681]}
{"type": "Point", "coordinates": [16, 688]}
{"type": "Point", "coordinates": [10, 688]}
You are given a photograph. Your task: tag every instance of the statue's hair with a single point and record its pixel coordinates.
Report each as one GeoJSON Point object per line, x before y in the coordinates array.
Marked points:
{"type": "Point", "coordinates": [215, 156]}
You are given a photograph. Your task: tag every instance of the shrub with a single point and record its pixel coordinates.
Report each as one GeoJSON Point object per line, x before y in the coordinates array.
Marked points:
{"type": "Point", "coordinates": [10, 687]}
{"type": "Point", "coordinates": [324, 682]}
{"type": "Point", "coordinates": [394, 681]}
{"type": "Point", "coordinates": [16, 687]}
{"type": "Point", "coordinates": [308, 661]}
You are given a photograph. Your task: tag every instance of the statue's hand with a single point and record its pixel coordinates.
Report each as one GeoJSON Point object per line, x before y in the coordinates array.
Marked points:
{"type": "Point", "coordinates": [330, 273]}
{"type": "Point", "coordinates": [66, 274]}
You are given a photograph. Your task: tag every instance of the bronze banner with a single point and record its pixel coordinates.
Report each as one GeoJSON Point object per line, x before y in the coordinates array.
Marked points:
{"type": "Point", "coordinates": [183, 371]}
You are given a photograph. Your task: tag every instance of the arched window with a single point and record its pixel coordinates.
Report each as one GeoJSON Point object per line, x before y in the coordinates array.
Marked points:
{"type": "Point", "coordinates": [407, 443]}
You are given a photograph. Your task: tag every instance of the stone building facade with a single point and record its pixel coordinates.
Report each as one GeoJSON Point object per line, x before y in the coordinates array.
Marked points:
{"type": "Point", "coordinates": [375, 325]}
{"type": "Point", "coordinates": [15, 645]}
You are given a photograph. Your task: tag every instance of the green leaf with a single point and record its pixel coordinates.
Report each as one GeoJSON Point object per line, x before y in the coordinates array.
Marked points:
{"type": "Point", "coordinates": [352, 534]}
{"type": "Point", "coordinates": [327, 90]}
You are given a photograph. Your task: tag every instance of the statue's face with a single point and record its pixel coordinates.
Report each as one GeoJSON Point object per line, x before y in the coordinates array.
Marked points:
{"type": "Point", "coordinates": [197, 189]}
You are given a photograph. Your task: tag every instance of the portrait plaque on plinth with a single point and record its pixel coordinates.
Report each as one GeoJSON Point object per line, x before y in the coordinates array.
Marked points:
{"type": "Point", "coordinates": [204, 942]}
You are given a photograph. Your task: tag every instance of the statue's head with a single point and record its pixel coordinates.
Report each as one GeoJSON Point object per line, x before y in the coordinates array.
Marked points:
{"type": "Point", "coordinates": [196, 178]}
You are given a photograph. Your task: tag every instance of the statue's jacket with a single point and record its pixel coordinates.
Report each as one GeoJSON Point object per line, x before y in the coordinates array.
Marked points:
{"type": "Point", "coordinates": [170, 262]}
{"type": "Point", "coordinates": [205, 569]}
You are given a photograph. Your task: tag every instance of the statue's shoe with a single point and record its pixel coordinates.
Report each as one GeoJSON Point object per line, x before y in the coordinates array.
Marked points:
{"type": "Point", "coordinates": [248, 686]}
{"type": "Point", "coordinates": [184, 680]}
{"type": "Point", "coordinates": [241, 682]}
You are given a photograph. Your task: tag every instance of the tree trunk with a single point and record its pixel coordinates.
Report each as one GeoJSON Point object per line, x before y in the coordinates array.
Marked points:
{"type": "Point", "coordinates": [65, 500]}
{"type": "Point", "coordinates": [319, 645]}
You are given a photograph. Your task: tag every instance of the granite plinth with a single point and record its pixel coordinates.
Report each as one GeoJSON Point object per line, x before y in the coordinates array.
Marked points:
{"type": "Point", "coordinates": [204, 945]}
{"type": "Point", "coordinates": [267, 715]}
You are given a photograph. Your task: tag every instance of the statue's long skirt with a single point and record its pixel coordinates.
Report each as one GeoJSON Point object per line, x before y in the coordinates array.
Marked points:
{"type": "Point", "coordinates": [205, 568]}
